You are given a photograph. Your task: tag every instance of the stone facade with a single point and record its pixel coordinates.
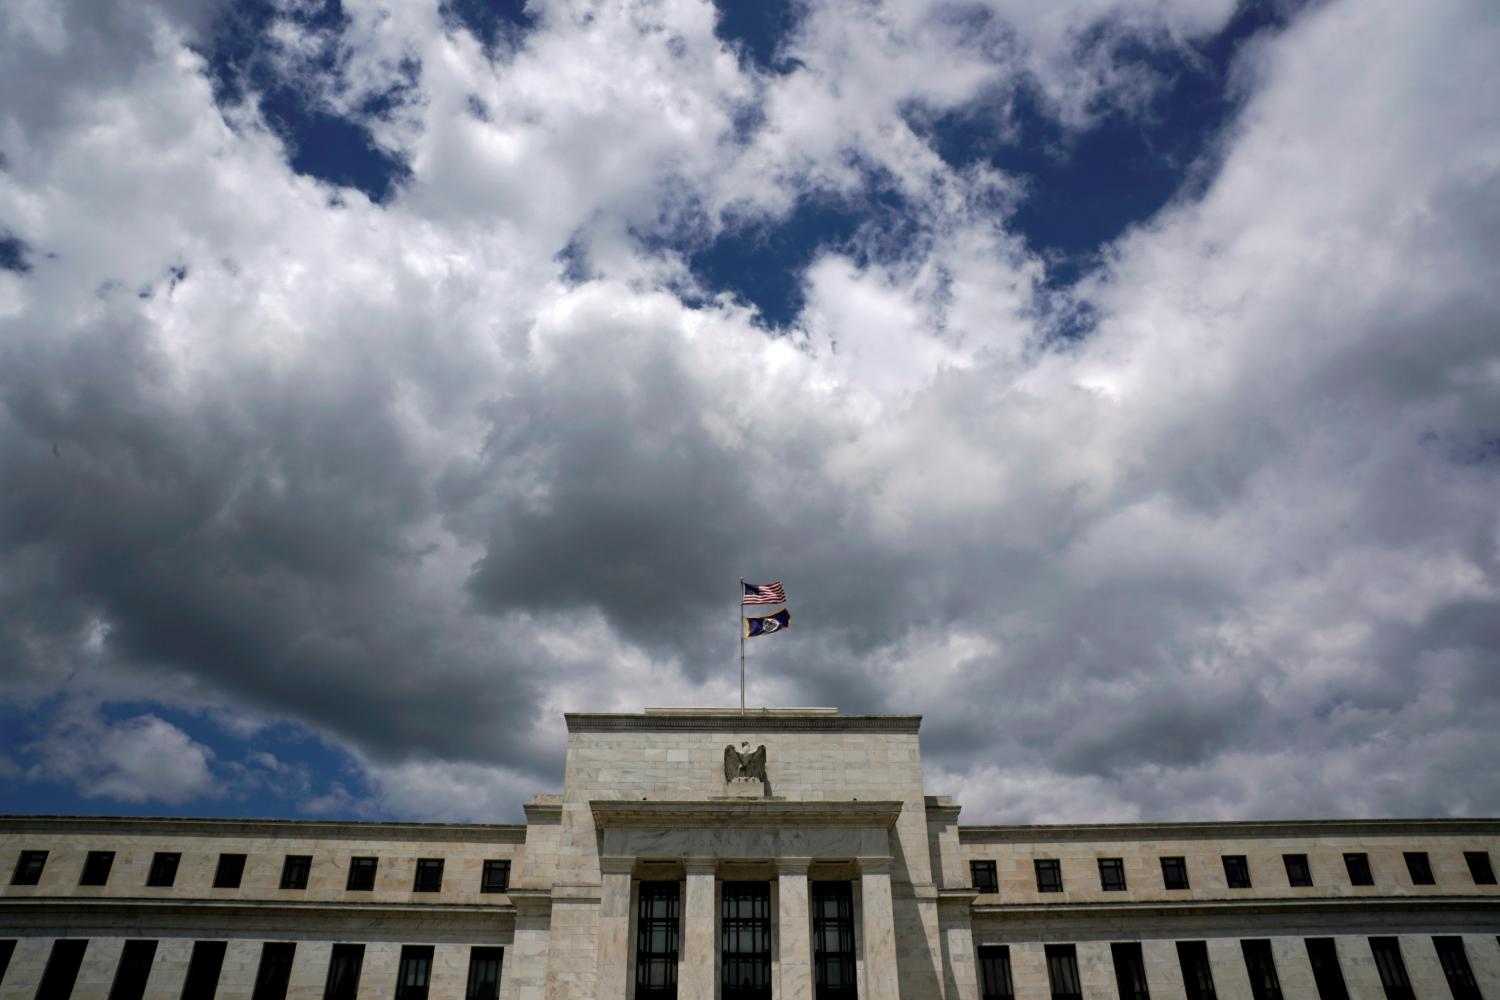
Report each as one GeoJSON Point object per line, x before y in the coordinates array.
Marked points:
{"type": "Point", "coordinates": [840, 815]}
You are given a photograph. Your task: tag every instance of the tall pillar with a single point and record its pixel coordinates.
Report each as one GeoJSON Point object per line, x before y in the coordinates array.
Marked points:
{"type": "Point", "coordinates": [794, 928]}
{"type": "Point", "coordinates": [614, 928]}
{"type": "Point", "coordinates": [695, 966]}
{"type": "Point", "coordinates": [879, 931]}
{"type": "Point", "coordinates": [524, 976]}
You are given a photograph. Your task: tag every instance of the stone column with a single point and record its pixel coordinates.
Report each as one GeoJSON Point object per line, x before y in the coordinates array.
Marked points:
{"type": "Point", "coordinates": [614, 927]}
{"type": "Point", "coordinates": [524, 974]}
{"type": "Point", "coordinates": [695, 966]}
{"type": "Point", "coordinates": [879, 931]}
{"type": "Point", "coordinates": [794, 929]}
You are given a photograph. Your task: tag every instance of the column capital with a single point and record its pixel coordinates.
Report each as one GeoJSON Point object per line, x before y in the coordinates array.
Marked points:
{"type": "Point", "coordinates": [616, 864]}
{"type": "Point", "coordinates": [875, 866]}
{"type": "Point", "coordinates": [793, 866]}
{"type": "Point", "coordinates": [700, 866]}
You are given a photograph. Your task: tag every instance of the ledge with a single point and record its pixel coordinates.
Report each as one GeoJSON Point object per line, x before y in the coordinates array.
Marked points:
{"type": "Point", "coordinates": [189, 827]}
{"type": "Point", "coordinates": [734, 721]}
{"type": "Point", "coordinates": [613, 814]}
{"type": "Point", "coordinates": [1205, 906]}
{"type": "Point", "coordinates": [241, 907]}
{"type": "Point", "coordinates": [1231, 828]}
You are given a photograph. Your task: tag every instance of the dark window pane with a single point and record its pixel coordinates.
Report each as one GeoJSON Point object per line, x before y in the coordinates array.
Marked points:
{"type": "Point", "coordinates": [1455, 962]}
{"type": "Point", "coordinates": [1387, 954]}
{"type": "Point", "coordinates": [203, 970]}
{"type": "Point", "coordinates": [484, 973]}
{"type": "Point", "coordinates": [1358, 866]}
{"type": "Point", "coordinates": [656, 941]}
{"type": "Point", "coordinates": [1174, 873]}
{"type": "Point", "coordinates": [362, 874]}
{"type": "Point", "coordinates": [295, 870]}
{"type": "Point", "coordinates": [7, 949]}
{"type": "Point", "coordinates": [1062, 972]}
{"type": "Point", "coordinates": [1112, 874]}
{"type": "Point", "coordinates": [429, 875]}
{"type": "Point", "coordinates": [1236, 871]}
{"type": "Point", "coordinates": [1048, 875]}
{"type": "Point", "coordinates": [133, 971]}
{"type": "Point", "coordinates": [275, 970]}
{"type": "Point", "coordinates": [230, 871]}
{"type": "Point", "coordinates": [343, 972]}
{"type": "Point", "coordinates": [1197, 976]}
{"type": "Point", "coordinates": [1130, 971]}
{"type": "Point", "coordinates": [983, 877]}
{"type": "Point", "coordinates": [496, 876]}
{"type": "Point", "coordinates": [1297, 872]}
{"type": "Point", "coordinates": [1418, 867]}
{"type": "Point", "coordinates": [62, 969]}
{"type": "Point", "coordinates": [29, 868]}
{"type": "Point", "coordinates": [1264, 984]}
{"type": "Point", "coordinates": [994, 973]}
{"type": "Point", "coordinates": [415, 973]}
{"type": "Point", "coordinates": [745, 935]}
{"type": "Point", "coordinates": [96, 868]}
{"type": "Point", "coordinates": [1327, 974]}
{"type": "Point", "coordinates": [833, 941]}
{"type": "Point", "coordinates": [1479, 867]}
{"type": "Point", "coordinates": [163, 869]}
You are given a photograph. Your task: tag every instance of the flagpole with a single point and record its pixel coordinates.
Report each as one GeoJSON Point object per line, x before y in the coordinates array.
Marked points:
{"type": "Point", "coordinates": [740, 615]}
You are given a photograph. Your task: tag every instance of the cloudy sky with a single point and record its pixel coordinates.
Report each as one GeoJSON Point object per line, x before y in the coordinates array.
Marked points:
{"type": "Point", "coordinates": [1116, 383]}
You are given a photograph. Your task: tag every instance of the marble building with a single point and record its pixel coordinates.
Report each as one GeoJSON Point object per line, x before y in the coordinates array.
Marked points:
{"type": "Point", "coordinates": [789, 853]}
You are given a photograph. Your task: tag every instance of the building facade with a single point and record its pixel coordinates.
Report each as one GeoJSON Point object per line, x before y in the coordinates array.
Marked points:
{"type": "Point", "coordinates": [790, 854]}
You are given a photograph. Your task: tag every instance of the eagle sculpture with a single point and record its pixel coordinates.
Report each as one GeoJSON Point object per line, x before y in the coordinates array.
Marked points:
{"type": "Point", "coordinates": [745, 763]}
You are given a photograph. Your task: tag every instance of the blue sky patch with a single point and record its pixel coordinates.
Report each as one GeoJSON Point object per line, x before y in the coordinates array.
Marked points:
{"type": "Point", "coordinates": [757, 28]}
{"type": "Point", "coordinates": [13, 253]}
{"type": "Point", "coordinates": [495, 23]}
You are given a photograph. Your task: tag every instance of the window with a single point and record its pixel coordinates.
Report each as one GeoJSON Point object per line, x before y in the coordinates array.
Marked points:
{"type": "Point", "coordinates": [1455, 962]}
{"type": "Point", "coordinates": [982, 876]}
{"type": "Point", "coordinates": [1323, 956]}
{"type": "Point", "coordinates": [1387, 953]}
{"type": "Point", "coordinates": [1358, 866]}
{"type": "Point", "coordinates": [484, 973]}
{"type": "Point", "coordinates": [429, 875]}
{"type": "Point", "coordinates": [1112, 874]}
{"type": "Point", "coordinates": [7, 949]}
{"type": "Point", "coordinates": [62, 969]}
{"type": "Point", "coordinates": [994, 973]}
{"type": "Point", "coordinates": [1297, 872]}
{"type": "Point", "coordinates": [133, 971]}
{"type": "Point", "coordinates": [1236, 871]}
{"type": "Point", "coordinates": [231, 869]}
{"type": "Point", "coordinates": [361, 874]}
{"type": "Point", "coordinates": [415, 972]}
{"type": "Point", "coordinates": [496, 876]}
{"type": "Point", "coordinates": [1062, 972]}
{"type": "Point", "coordinates": [1174, 873]}
{"type": "Point", "coordinates": [833, 941]}
{"type": "Point", "coordinates": [1262, 968]}
{"type": "Point", "coordinates": [203, 970]}
{"type": "Point", "coordinates": [343, 972]}
{"type": "Point", "coordinates": [1479, 867]}
{"type": "Point", "coordinates": [657, 931]}
{"type": "Point", "coordinates": [29, 868]}
{"type": "Point", "coordinates": [1197, 976]}
{"type": "Point", "coordinates": [96, 868]}
{"type": "Point", "coordinates": [1418, 867]}
{"type": "Point", "coordinates": [1130, 971]}
{"type": "Point", "coordinates": [275, 970]}
{"type": "Point", "coordinates": [294, 871]}
{"type": "Point", "coordinates": [163, 869]}
{"type": "Point", "coordinates": [1048, 876]}
{"type": "Point", "coordinates": [745, 932]}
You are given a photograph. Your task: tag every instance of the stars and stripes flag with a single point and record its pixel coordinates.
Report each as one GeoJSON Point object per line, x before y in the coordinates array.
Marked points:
{"type": "Point", "coordinates": [763, 593]}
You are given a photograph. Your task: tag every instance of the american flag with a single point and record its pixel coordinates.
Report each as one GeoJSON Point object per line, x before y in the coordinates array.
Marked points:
{"type": "Point", "coordinates": [763, 593]}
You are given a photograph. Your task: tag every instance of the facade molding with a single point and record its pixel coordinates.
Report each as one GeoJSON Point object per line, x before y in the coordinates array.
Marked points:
{"type": "Point", "coordinates": [499, 833]}
{"type": "Point", "coordinates": [615, 814]}
{"type": "Point", "coordinates": [738, 722]}
{"type": "Point", "coordinates": [1222, 829]}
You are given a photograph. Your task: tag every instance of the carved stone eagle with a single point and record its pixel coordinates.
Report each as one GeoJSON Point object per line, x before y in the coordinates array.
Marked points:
{"type": "Point", "coordinates": [745, 763]}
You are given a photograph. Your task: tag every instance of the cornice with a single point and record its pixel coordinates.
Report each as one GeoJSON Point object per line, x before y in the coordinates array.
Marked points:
{"type": "Point", "coordinates": [169, 826]}
{"type": "Point", "coordinates": [1196, 907]}
{"type": "Point", "coordinates": [246, 907]}
{"type": "Point", "coordinates": [1228, 829]}
{"type": "Point", "coordinates": [624, 814]}
{"type": "Point", "coordinates": [739, 722]}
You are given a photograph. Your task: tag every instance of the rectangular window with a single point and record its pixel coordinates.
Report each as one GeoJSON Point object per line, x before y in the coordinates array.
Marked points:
{"type": "Point", "coordinates": [62, 969]}
{"type": "Point", "coordinates": [657, 933]}
{"type": "Point", "coordinates": [229, 872]}
{"type": "Point", "coordinates": [982, 876]}
{"type": "Point", "coordinates": [496, 876]}
{"type": "Point", "coordinates": [1455, 962]}
{"type": "Point", "coordinates": [1197, 976]}
{"type": "Point", "coordinates": [1419, 868]}
{"type": "Point", "coordinates": [1478, 861]}
{"type": "Point", "coordinates": [1264, 984]}
{"type": "Point", "coordinates": [1358, 866]}
{"type": "Point", "coordinates": [1112, 874]}
{"type": "Point", "coordinates": [415, 972]}
{"type": "Point", "coordinates": [133, 971]}
{"type": "Point", "coordinates": [361, 874]}
{"type": "Point", "coordinates": [163, 869]}
{"type": "Point", "coordinates": [202, 979]}
{"type": "Point", "coordinates": [429, 875]}
{"type": "Point", "coordinates": [1297, 872]}
{"type": "Point", "coordinates": [275, 970]}
{"type": "Point", "coordinates": [1174, 873]}
{"type": "Point", "coordinates": [833, 941]}
{"type": "Point", "coordinates": [745, 933]}
{"type": "Point", "coordinates": [96, 868]}
{"type": "Point", "coordinates": [1387, 954]}
{"type": "Point", "coordinates": [294, 871]}
{"type": "Point", "coordinates": [1236, 871]}
{"type": "Point", "coordinates": [1130, 971]}
{"type": "Point", "coordinates": [1323, 956]}
{"type": "Point", "coordinates": [484, 973]}
{"type": "Point", "coordinates": [29, 868]}
{"type": "Point", "coordinates": [1062, 972]}
{"type": "Point", "coordinates": [994, 973]}
{"type": "Point", "coordinates": [7, 949]}
{"type": "Point", "coordinates": [343, 972]}
{"type": "Point", "coordinates": [1048, 875]}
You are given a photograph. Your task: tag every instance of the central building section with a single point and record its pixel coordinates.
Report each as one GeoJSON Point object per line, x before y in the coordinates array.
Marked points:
{"type": "Point", "coordinates": [702, 853]}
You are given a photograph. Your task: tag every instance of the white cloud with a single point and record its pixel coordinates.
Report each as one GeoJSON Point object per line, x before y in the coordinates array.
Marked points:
{"type": "Point", "coordinates": [141, 759]}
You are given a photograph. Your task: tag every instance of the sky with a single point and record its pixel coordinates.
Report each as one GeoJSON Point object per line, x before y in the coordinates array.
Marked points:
{"type": "Point", "coordinates": [1115, 383]}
